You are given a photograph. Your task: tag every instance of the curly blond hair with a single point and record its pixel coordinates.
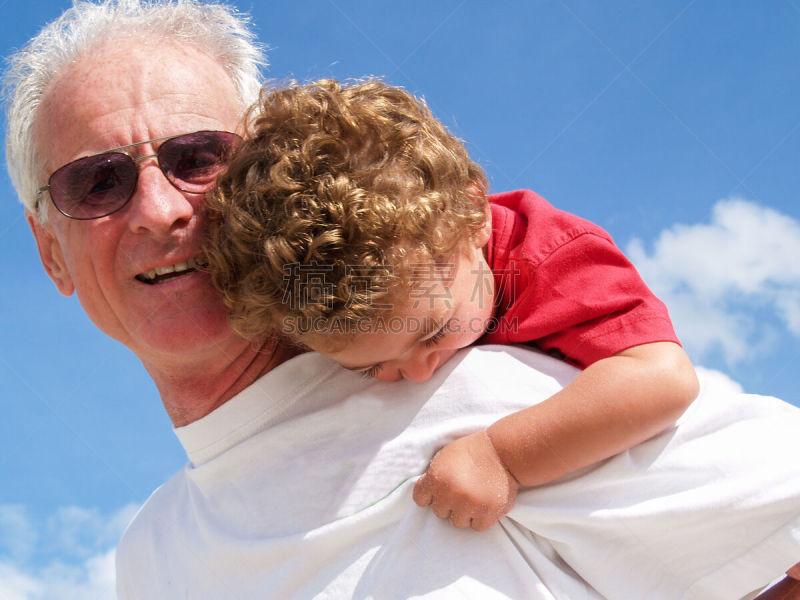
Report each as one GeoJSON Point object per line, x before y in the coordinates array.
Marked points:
{"type": "Point", "coordinates": [334, 187]}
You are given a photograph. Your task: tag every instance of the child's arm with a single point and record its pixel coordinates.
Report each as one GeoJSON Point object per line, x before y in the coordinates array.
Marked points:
{"type": "Point", "coordinates": [609, 407]}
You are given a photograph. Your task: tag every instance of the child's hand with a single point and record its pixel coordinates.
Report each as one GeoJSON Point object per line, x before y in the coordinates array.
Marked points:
{"type": "Point", "coordinates": [467, 483]}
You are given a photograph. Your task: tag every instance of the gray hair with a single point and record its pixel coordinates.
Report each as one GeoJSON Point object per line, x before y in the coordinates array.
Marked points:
{"type": "Point", "coordinates": [219, 30]}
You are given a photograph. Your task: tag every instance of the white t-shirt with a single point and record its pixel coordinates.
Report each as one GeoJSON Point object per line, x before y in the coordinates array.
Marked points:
{"type": "Point", "coordinates": [300, 487]}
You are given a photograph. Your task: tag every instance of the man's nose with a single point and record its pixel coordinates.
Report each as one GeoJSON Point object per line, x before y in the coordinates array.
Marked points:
{"type": "Point", "coordinates": [157, 206]}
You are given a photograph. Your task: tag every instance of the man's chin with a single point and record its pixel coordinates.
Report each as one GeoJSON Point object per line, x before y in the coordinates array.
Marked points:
{"type": "Point", "coordinates": [183, 334]}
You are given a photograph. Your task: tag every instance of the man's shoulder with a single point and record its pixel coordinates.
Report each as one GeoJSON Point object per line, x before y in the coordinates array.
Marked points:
{"type": "Point", "coordinates": [504, 375]}
{"type": "Point", "coordinates": [153, 521]}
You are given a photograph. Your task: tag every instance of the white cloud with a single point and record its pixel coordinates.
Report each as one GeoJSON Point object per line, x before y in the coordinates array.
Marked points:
{"type": "Point", "coordinates": [720, 380]}
{"type": "Point", "coordinates": [18, 536]}
{"type": "Point", "coordinates": [82, 531]}
{"type": "Point", "coordinates": [69, 556]}
{"type": "Point", "coordinates": [718, 278]}
{"type": "Point", "coordinates": [15, 585]}
{"type": "Point", "coordinates": [91, 580]}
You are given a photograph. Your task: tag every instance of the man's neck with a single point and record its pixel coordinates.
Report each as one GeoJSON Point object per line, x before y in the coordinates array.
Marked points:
{"type": "Point", "coordinates": [190, 392]}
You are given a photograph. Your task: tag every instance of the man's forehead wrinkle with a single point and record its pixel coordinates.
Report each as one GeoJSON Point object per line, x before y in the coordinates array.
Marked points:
{"type": "Point", "coordinates": [112, 107]}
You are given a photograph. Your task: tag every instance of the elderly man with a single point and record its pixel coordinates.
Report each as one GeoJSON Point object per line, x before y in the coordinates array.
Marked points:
{"type": "Point", "coordinates": [299, 477]}
{"type": "Point", "coordinates": [129, 89]}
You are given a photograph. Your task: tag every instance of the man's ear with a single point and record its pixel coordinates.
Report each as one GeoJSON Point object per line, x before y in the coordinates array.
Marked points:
{"type": "Point", "coordinates": [51, 255]}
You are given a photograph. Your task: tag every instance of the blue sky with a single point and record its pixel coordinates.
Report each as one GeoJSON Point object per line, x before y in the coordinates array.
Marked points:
{"type": "Point", "coordinates": [674, 125]}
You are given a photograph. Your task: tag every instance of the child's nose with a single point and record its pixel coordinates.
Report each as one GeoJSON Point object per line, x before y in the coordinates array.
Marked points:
{"type": "Point", "coordinates": [420, 368]}
{"type": "Point", "coordinates": [389, 375]}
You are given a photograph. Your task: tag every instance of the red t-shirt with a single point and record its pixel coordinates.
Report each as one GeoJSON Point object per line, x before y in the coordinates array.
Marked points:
{"type": "Point", "coordinates": [562, 285]}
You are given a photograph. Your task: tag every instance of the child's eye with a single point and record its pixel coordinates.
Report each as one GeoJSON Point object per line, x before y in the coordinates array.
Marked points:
{"type": "Point", "coordinates": [372, 371]}
{"type": "Point", "coordinates": [434, 339]}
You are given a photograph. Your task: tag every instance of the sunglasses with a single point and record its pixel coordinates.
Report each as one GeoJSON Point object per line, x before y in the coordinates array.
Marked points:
{"type": "Point", "coordinates": [98, 185]}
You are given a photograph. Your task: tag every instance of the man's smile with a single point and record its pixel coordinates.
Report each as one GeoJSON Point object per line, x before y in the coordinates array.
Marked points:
{"type": "Point", "coordinates": [161, 274]}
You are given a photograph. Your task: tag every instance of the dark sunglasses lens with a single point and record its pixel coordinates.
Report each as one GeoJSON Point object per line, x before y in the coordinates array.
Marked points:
{"type": "Point", "coordinates": [94, 186]}
{"type": "Point", "coordinates": [193, 161]}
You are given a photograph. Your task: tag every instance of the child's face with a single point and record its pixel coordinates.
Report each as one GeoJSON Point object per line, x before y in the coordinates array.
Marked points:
{"type": "Point", "coordinates": [448, 307]}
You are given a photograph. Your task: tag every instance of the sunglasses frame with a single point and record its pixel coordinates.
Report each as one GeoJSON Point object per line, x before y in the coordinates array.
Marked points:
{"type": "Point", "coordinates": [136, 159]}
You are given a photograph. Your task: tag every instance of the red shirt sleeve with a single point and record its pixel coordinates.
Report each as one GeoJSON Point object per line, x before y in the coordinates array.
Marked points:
{"type": "Point", "coordinates": [562, 284]}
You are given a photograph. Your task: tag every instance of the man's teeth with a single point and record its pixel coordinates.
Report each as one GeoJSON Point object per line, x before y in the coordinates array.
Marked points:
{"type": "Point", "coordinates": [189, 265]}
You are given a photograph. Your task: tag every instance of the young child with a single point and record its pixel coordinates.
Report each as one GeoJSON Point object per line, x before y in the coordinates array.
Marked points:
{"type": "Point", "coordinates": [354, 223]}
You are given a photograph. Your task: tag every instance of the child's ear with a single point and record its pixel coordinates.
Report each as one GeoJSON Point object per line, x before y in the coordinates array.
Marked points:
{"type": "Point", "coordinates": [478, 194]}
{"type": "Point", "coordinates": [486, 229]}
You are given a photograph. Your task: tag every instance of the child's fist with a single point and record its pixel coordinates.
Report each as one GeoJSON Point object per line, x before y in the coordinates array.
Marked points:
{"type": "Point", "coordinates": [467, 483]}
